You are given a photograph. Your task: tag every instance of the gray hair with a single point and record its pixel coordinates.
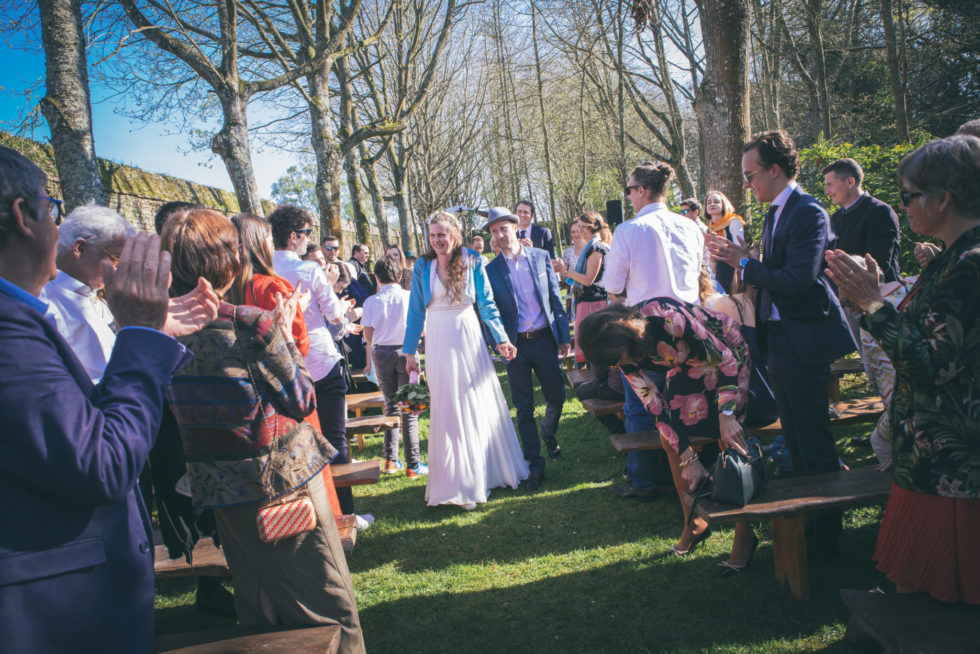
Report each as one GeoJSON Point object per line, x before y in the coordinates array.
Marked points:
{"type": "Point", "coordinates": [93, 224]}
{"type": "Point", "coordinates": [951, 164]}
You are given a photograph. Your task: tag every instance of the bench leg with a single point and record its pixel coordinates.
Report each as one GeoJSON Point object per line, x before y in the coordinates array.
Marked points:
{"type": "Point", "coordinates": [360, 442]}
{"type": "Point", "coordinates": [789, 554]}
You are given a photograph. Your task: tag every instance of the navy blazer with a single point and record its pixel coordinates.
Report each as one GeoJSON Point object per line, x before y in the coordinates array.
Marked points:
{"type": "Point", "coordinates": [76, 552]}
{"type": "Point", "coordinates": [542, 239]}
{"type": "Point", "coordinates": [793, 275]}
{"type": "Point", "coordinates": [546, 285]}
{"type": "Point", "coordinates": [869, 227]}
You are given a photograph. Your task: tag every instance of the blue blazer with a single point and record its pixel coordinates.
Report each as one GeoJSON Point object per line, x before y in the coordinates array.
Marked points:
{"type": "Point", "coordinates": [76, 552]}
{"type": "Point", "coordinates": [793, 275]}
{"type": "Point", "coordinates": [546, 285]}
{"type": "Point", "coordinates": [542, 239]}
{"type": "Point", "coordinates": [421, 294]}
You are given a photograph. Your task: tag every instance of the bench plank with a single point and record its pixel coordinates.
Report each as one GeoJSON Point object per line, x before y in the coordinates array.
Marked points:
{"type": "Point", "coordinates": [356, 474]}
{"type": "Point", "coordinates": [863, 485]}
{"type": "Point", "coordinates": [911, 622]}
{"type": "Point", "coordinates": [317, 640]}
{"type": "Point", "coordinates": [359, 402]}
{"type": "Point", "coordinates": [597, 407]}
{"type": "Point", "coordinates": [209, 561]}
{"type": "Point", "coordinates": [649, 440]}
{"type": "Point", "coordinates": [862, 409]}
{"type": "Point", "coordinates": [578, 377]}
{"type": "Point", "coordinates": [369, 425]}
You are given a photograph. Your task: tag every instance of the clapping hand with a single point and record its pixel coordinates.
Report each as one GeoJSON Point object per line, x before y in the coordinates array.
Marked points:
{"type": "Point", "coordinates": [724, 250]}
{"type": "Point", "coordinates": [559, 266]}
{"type": "Point", "coordinates": [285, 311]}
{"type": "Point", "coordinates": [506, 350]}
{"type": "Point", "coordinates": [192, 311]}
{"type": "Point", "coordinates": [137, 289]}
{"type": "Point", "coordinates": [925, 252]}
{"type": "Point", "coordinates": [859, 283]}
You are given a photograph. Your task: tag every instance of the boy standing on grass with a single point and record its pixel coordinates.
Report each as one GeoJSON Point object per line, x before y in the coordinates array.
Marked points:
{"type": "Point", "coordinates": [383, 319]}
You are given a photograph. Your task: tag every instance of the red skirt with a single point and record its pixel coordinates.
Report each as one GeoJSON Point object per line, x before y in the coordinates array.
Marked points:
{"type": "Point", "coordinates": [582, 309]}
{"type": "Point", "coordinates": [932, 544]}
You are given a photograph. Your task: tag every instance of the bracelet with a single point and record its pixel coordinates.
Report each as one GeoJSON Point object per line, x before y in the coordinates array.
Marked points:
{"type": "Point", "coordinates": [690, 461]}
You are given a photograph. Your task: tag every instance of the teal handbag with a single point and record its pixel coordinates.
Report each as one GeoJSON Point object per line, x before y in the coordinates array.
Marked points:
{"type": "Point", "coordinates": [737, 478]}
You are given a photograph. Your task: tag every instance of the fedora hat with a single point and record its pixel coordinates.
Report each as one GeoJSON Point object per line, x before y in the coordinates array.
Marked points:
{"type": "Point", "coordinates": [499, 213]}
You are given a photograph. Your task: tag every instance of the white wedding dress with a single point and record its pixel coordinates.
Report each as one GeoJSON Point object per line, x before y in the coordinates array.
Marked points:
{"type": "Point", "coordinates": [472, 443]}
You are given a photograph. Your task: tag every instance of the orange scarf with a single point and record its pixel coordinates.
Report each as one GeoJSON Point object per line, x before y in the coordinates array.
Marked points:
{"type": "Point", "coordinates": [717, 227]}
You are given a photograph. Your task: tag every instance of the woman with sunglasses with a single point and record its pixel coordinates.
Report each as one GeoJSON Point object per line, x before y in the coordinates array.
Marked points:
{"type": "Point", "coordinates": [930, 535]}
{"type": "Point", "coordinates": [706, 361]}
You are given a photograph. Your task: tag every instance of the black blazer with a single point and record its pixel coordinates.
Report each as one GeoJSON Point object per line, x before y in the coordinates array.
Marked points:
{"type": "Point", "coordinates": [869, 227]}
{"type": "Point", "coordinates": [793, 275]}
{"type": "Point", "coordinates": [542, 239]}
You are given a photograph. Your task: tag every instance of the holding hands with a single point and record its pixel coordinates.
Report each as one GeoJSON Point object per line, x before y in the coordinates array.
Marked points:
{"type": "Point", "coordinates": [506, 350]}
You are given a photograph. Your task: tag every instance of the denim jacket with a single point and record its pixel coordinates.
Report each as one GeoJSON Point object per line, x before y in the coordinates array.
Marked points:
{"type": "Point", "coordinates": [477, 286]}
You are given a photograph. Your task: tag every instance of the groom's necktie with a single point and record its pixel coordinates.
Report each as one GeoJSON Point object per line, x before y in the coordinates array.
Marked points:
{"type": "Point", "coordinates": [765, 299]}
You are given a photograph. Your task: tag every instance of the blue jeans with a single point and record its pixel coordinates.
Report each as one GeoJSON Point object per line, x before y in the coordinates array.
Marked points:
{"type": "Point", "coordinates": [640, 464]}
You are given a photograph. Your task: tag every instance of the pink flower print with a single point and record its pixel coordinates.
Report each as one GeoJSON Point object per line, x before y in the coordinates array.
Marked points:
{"type": "Point", "coordinates": [653, 309]}
{"type": "Point", "coordinates": [671, 356]}
{"type": "Point", "coordinates": [733, 335]}
{"type": "Point", "coordinates": [707, 370]}
{"type": "Point", "coordinates": [699, 329]}
{"type": "Point", "coordinates": [948, 373]}
{"type": "Point", "coordinates": [693, 408]}
{"type": "Point", "coordinates": [668, 432]}
{"type": "Point", "coordinates": [674, 323]}
{"type": "Point", "coordinates": [951, 489]}
{"type": "Point", "coordinates": [727, 394]}
{"type": "Point", "coordinates": [729, 366]}
{"type": "Point", "coordinates": [647, 393]}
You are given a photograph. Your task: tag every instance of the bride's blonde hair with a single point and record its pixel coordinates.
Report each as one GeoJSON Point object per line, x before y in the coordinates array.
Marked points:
{"type": "Point", "coordinates": [456, 270]}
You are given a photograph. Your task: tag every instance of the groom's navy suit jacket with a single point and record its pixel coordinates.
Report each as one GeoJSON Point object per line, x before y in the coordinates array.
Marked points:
{"type": "Point", "coordinates": [546, 285]}
{"type": "Point", "coordinates": [76, 552]}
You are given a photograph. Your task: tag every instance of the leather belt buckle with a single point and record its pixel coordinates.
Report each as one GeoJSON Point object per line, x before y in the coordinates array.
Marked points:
{"type": "Point", "coordinates": [533, 334]}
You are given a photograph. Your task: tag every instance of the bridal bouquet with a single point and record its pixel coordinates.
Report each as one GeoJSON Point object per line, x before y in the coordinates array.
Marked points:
{"type": "Point", "coordinates": [412, 398]}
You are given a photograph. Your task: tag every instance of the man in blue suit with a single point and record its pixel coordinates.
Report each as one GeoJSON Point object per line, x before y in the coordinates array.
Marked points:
{"type": "Point", "coordinates": [530, 234]}
{"type": "Point", "coordinates": [76, 552]}
{"type": "Point", "coordinates": [800, 322]}
{"type": "Point", "coordinates": [525, 290]}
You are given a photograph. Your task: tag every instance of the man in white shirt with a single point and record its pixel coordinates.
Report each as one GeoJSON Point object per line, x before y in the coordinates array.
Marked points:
{"type": "Point", "coordinates": [291, 229]}
{"type": "Point", "coordinates": [384, 319]}
{"type": "Point", "coordinates": [90, 236]}
{"type": "Point", "coordinates": [655, 254]}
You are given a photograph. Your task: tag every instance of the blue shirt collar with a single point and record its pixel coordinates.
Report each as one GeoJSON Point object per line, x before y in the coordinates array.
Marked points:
{"type": "Point", "coordinates": [19, 294]}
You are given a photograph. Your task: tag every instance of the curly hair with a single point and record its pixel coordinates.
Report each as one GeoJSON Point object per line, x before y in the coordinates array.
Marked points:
{"type": "Point", "coordinates": [606, 335]}
{"type": "Point", "coordinates": [592, 221]}
{"type": "Point", "coordinates": [456, 271]}
{"type": "Point", "coordinates": [776, 147]}
{"type": "Point", "coordinates": [653, 175]}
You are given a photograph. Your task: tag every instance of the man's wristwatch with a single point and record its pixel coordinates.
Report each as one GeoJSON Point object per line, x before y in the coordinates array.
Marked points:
{"type": "Point", "coordinates": [873, 306]}
{"type": "Point", "coordinates": [743, 262]}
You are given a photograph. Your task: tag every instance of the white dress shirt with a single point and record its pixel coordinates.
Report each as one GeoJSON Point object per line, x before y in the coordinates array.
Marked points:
{"type": "Point", "coordinates": [83, 319]}
{"type": "Point", "coordinates": [324, 307]}
{"type": "Point", "coordinates": [387, 313]}
{"type": "Point", "coordinates": [779, 203]}
{"type": "Point", "coordinates": [655, 254]}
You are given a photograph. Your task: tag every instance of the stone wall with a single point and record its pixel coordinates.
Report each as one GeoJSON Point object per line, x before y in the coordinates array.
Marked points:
{"type": "Point", "coordinates": [137, 194]}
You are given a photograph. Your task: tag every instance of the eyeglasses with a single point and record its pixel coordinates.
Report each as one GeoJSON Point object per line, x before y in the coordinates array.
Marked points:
{"type": "Point", "coordinates": [114, 258]}
{"type": "Point", "coordinates": [684, 212]}
{"type": "Point", "coordinates": [908, 196]}
{"type": "Point", "coordinates": [304, 232]}
{"type": "Point", "coordinates": [331, 248]}
{"type": "Point", "coordinates": [54, 208]}
{"type": "Point", "coordinates": [629, 189]}
{"type": "Point", "coordinates": [747, 175]}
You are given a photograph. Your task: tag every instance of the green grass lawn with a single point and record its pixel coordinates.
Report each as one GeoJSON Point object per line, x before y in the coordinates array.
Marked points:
{"type": "Point", "coordinates": [572, 568]}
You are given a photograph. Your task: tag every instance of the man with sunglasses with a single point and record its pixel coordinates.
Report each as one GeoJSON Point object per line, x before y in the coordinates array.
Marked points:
{"type": "Point", "coordinates": [90, 236]}
{"type": "Point", "coordinates": [330, 245]}
{"type": "Point", "coordinates": [799, 320]}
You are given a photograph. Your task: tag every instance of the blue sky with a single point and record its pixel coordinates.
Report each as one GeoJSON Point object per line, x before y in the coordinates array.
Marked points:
{"type": "Point", "coordinates": [121, 139]}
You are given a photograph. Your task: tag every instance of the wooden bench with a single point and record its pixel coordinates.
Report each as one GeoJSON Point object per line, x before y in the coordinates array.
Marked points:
{"type": "Point", "coordinates": [209, 561]}
{"type": "Point", "coordinates": [910, 622]}
{"type": "Point", "coordinates": [578, 377]}
{"type": "Point", "coordinates": [783, 505]}
{"type": "Point", "coordinates": [840, 368]}
{"type": "Point", "coordinates": [369, 425]}
{"type": "Point", "coordinates": [360, 402]}
{"type": "Point", "coordinates": [649, 440]}
{"type": "Point", "coordinates": [862, 409]}
{"type": "Point", "coordinates": [356, 474]}
{"type": "Point", "coordinates": [315, 640]}
{"type": "Point", "coordinates": [597, 407]}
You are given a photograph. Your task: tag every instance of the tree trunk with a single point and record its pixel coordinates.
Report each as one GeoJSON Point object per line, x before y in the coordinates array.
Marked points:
{"type": "Point", "coordinates": [374, 188]}
{"type": "Point", "coordinates": [894, 74]}
{"type": "Point", "coordinates": [231, 144]}
{"type": "Point", "coordinates": [67, 106]}
{"type": "Point", "coordinates": [544, 132]}
{"type": "Point", "coordinates": [327, 153]}
{"type": "Point", "coordinates": [723, 99]}
{"type": "Point", "coordinates": [399, 172]}
{"type": "Point", "coordinates": [815, 27]}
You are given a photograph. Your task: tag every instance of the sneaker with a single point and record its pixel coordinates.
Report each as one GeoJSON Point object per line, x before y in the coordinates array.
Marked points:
{"type": "Point", "coordinates": [417, 470]}
{"type": "Point", "coordinates": [364, 521]}
{"type": "Point", "coordinates": [391, 467]}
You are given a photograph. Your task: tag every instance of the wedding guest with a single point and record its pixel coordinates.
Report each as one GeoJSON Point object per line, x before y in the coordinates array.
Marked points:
{"type": "Point", "coordinates": [476, 243]}
{"type": "Point", "coordinates": [592, 237]}
{"type": "Point", "coordinates": [395, 252]}
{"type": "Point", "coordinates": [383, 321]}
{"type": "Point", "coordinates": [723, 222]}
{"type": "Point", "coordinates": [707, 361]}
{"type": "Point", "coordinates": [532, 235]}
{"type": "Point", "coordinates": [930, 536]}
{"type": "Point", "coordinates": [76, 557]}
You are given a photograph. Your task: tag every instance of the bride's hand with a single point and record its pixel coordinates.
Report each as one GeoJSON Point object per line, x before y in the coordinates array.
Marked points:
{"type": "Point", "coordinates": [506, 350]}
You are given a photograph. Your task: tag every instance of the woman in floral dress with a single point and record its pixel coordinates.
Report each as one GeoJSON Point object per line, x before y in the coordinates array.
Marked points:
{"type": "Point", "coordinates": [707, 365]}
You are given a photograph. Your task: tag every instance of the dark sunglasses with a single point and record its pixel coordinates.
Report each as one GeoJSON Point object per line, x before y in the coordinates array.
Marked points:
{"type": "Point", "coordinates": [629, 189]}
{"type": "Point", "coordinates": [305, 232]}
{"type": "Point", "coordinates": [331, 248]}
{"type": "Point", "coordinates": [908, 196]}
{"type": "Point", "coordinates": [54, 208]}
{"type": "Point", "coordinates": [684, 212]}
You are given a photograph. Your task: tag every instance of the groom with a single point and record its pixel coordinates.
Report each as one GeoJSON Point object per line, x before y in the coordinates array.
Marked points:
{"type": "Point", "coordinates": [525, 290]}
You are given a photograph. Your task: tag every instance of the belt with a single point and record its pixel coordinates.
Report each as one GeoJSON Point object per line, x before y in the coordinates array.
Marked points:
{"type": "Point", "coordinates": [534, 333]}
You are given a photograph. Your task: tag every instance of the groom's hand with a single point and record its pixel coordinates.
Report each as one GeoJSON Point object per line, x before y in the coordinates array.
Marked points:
{"type": "Point", "coordinates": [564, 349]}
{"type": "Point", "coordinates": [506, 350]}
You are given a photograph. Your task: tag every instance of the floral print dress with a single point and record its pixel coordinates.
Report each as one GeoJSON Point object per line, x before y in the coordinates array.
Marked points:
{"type": "Point", "coordinates": [933, 341]}
{"type": "Point", "coordinates": [706, 362]}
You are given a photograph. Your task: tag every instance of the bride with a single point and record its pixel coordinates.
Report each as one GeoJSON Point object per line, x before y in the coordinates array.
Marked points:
{"type": "Point", "coordinates": [472, 443]}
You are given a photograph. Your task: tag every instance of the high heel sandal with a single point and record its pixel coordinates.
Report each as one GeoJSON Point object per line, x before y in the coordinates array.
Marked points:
{"type": "Point", "coordinates": [678, 553]}
{"type": "Point", "coordinates": [729, 569]}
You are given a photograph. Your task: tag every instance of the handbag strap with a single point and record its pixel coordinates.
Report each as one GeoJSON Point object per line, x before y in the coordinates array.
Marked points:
{"type": "Point", "coordinates": [698, 493]}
